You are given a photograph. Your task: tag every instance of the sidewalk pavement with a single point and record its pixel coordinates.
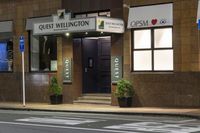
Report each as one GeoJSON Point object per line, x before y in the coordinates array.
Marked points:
{"type": "Point", "coordinates": [106, 109]}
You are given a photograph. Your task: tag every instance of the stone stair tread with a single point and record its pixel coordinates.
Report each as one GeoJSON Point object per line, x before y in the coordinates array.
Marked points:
{"type": "Point", "coordinates": [92, 102]}
{"type": "Point", "coordinates": [98, 94]}
{"type": "Point", "coordinates": [94, 98]}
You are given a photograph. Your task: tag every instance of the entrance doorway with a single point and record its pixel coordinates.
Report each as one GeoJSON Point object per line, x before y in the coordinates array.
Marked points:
{"type": "Point", "coordinates": [96, 64]}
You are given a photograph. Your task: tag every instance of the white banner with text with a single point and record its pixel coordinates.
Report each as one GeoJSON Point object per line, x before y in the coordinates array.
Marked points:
{"type": "Point", "coordinates": [150, 16]}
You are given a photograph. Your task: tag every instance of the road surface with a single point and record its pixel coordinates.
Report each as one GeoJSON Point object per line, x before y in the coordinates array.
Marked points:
{"type": "Point", "coordinates": [62, 122]}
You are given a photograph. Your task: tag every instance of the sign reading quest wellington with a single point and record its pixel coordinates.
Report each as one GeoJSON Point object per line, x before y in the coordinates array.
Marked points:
{"type": "Point", "coordinates": [151, 16]}
{"type": "Point", "coordinates": [64, 25]}
{"type": "Point", "coordinates": [68, 24]}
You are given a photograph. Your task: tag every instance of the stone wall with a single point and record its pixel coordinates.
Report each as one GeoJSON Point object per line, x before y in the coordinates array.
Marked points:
{"type": "Point", "coordinates": [174, 89]}
{"type": "Point", "coordinates": [36, 83]}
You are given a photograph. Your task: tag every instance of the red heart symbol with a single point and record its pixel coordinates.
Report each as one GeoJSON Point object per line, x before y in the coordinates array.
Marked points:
{"type": "Point", "coordinates": [154, 21]}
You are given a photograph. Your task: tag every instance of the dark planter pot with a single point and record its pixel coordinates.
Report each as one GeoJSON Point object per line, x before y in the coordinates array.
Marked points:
{"type": "Point", "coordinates": [56, 99]}
{"type": "Point", "coordinates": [125, 101]}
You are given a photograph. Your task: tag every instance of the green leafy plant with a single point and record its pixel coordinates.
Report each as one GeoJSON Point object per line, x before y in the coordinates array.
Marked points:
{"type": "Point", "coordinates": [124, 89]}
{"type": "Point", "coordinates": [54, 88]}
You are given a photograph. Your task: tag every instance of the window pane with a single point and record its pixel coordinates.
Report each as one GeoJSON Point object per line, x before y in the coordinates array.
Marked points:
{"type": "Point", "coordinates": [10, 55]}
{"type": "Point", "coordinates": [142, 39]}
{"type": "Point", "coordinates": [142, 60]}
{"type": "Point", "coordinates": [43, 53]}
{"type": "Point", "coordinates": [6, 56]}
{"type": "Point", "coordinates": [35, 53]}
{"type": "Point", "coordinates": [163, 38]}
{"type": "Point", "coordinates": [163, 60]}
{"type": "Point", "coordinates": [48, 51]}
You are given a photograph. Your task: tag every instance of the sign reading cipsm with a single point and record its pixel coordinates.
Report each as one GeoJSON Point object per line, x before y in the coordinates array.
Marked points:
{"type": "Point", "coordinates": [21, 43]}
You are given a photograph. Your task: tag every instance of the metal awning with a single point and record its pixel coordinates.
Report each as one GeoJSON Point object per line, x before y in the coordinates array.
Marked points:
{"type": "Point", "coordinates": [57, 25]}
{"type": "Point", "coordinates": [6, 26]}
{"type": "Point", "coordinates": [31, 21]}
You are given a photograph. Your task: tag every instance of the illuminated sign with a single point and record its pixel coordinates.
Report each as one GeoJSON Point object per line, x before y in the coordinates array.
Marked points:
{"type": "Point", "coordinates": [150, 16]}
{"type": "Point", "coordinates": [63, 23]}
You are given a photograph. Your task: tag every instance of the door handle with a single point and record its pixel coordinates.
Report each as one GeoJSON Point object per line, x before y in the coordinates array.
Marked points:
{"type": "Point", "coordinates": [86, 70]}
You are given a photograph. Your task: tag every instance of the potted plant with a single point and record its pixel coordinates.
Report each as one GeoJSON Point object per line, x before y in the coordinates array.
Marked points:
{"type": "Point", "coordinates": [55, 91]}
{"type": "Point", "coordinates": [124, 93]}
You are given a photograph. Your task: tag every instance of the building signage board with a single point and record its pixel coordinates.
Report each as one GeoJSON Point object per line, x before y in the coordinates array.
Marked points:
{"type": "Point", "coordinates": [63, 24]}
{"type": "Point", "coordinates": [198, 12]}
{"type": "Point", "coordinates": [67, 70]}
{"type": "Point", "coordinates": [150, 16]}
{"type": "Point", "coordinates": [21, 43]}
{"type": "Point", "coordinates": [116, 68]}
{"type": "Point", "coordinates": [105, 24]}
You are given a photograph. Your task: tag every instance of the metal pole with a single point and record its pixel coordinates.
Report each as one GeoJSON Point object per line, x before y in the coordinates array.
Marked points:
{"type": "Point", "coordinates": [23, 81]}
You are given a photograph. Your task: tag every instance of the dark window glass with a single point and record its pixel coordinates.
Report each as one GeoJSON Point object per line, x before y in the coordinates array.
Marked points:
{"type": "Point", "coordinates": [6, 56]}
{"type": "Point", "coordinates": [43, 53]}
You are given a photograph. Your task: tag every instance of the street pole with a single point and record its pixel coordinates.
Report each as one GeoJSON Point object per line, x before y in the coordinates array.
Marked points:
{"type": "Point", "coordinates": [23, 80]}
{"type": "Point", "coordinates": [21, 48]}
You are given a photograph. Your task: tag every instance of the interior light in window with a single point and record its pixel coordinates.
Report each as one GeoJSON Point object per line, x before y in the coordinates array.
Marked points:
{"type": "Point", "coordinates": [142, 60]}
{"type": "Point", "coordinates": [142, 39]}
{"type": "Point", "coordinates": [163, 38]}
{"type": "Point", "coordinates": [163, 60]}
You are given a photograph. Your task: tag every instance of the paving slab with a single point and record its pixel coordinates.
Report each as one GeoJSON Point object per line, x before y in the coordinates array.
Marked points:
{"type": "Point", "coordinates": [90, 108]}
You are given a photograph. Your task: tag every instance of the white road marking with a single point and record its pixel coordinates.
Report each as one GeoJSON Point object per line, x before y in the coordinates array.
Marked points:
{"type": "Point", "coordinates": [180, 121]}
{"type": "Point", "coordinates": [94, 116]}
{"type": "Point", "coordinates": [64, 127]}
{"type": "Point", "coordinates": [58, 120]}
{"type": "Point", "coordinates": [156, 127]}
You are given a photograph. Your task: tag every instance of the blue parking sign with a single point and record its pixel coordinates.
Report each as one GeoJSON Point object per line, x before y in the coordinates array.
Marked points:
{"type": "Point", "coordinates": [21, 43]}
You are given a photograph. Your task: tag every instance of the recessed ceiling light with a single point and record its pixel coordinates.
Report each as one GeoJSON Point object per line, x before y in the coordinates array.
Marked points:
{"type": "Point", "coordinates": [67, 34]}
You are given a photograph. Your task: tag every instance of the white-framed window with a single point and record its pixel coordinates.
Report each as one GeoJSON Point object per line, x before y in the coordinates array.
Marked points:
{"type": "Point", "coordinates": [152, 49]}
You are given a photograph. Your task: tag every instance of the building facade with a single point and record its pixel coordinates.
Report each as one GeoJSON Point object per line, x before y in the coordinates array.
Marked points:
{"type": "Point", "coordinates": [164, 73]}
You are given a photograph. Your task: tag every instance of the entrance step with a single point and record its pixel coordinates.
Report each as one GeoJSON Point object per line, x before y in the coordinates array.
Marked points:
{"type": "Point", "coordinates": [104, 99]}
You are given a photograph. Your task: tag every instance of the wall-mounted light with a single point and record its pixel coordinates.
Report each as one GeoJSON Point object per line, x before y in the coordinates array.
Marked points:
{"type": "Point", "coordinates": [86, 33]}
{"type": "Point", "coordinates": [102, 32]}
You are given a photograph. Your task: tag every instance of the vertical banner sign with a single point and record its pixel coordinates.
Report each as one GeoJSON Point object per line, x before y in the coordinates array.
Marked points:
{"type": "Point", "coordinates": [116, 68]}
{"type": "Point", "coordinates": [67, 70]}
{"type": "Point", "coordinates": [21, 48]}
